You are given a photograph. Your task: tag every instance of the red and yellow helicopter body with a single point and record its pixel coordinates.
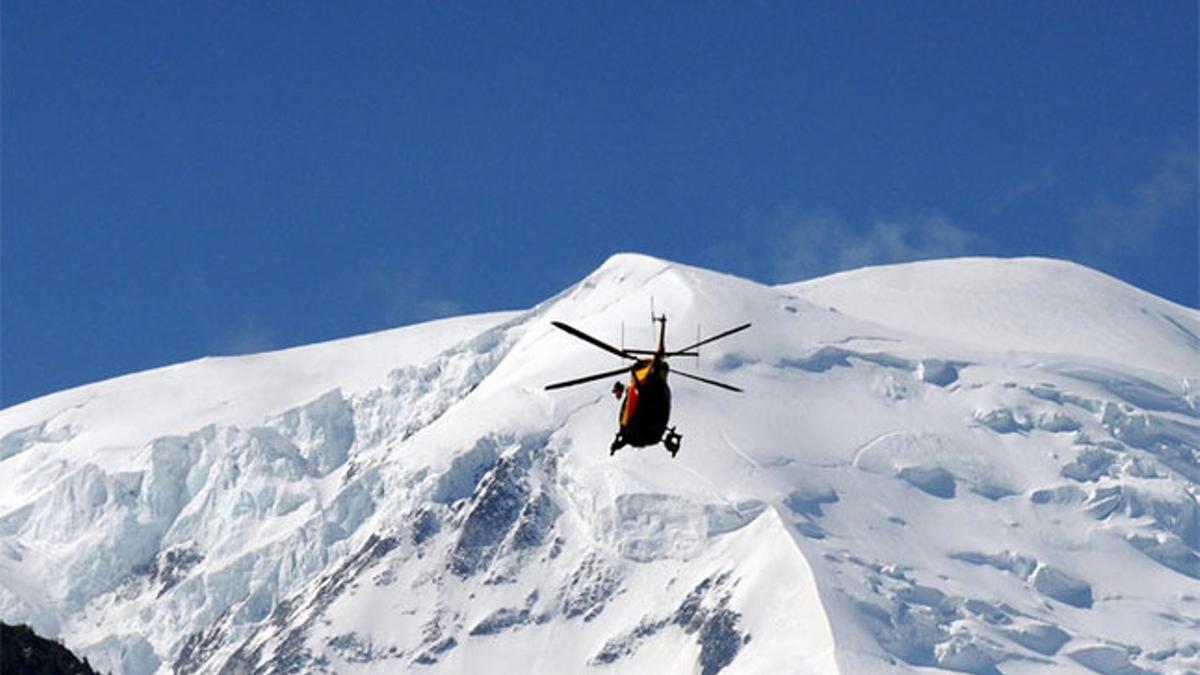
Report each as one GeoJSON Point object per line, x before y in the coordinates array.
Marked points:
{"type": "Point", "coordinates": [647, 405]}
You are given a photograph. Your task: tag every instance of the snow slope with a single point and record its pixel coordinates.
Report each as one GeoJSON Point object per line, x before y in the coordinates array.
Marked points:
{"type": "Point", "coordinates": [975, 465]}
{"type": "Point", "coordinates": [1024, 304]}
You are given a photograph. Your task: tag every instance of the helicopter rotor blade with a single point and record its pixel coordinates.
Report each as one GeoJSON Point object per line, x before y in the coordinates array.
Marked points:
{"type": "Point", "coordinates": [705, 380]}
{"type": "Point", "coordinates": [592, 341]}
{"type": "Point", "coordinates": [588, 378]}
{"type": "Point", "coordinates": [651, 352]}
{"type": "Point", "coordinates": [705, 341]}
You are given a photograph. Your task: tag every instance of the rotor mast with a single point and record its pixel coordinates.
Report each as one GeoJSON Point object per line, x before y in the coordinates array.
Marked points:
{"type": "Point", "coordinates": [661, 350]}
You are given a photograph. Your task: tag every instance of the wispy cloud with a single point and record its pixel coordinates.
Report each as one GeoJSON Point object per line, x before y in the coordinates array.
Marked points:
{"type": "Point", "coordinates": [1032, 185]}
{"type": "Point", "coordinates": [1123, 232]}
{"type": "Point", "coordinates": [806, 244]}
{"type": "Point", "coordinates": [1131, 224]}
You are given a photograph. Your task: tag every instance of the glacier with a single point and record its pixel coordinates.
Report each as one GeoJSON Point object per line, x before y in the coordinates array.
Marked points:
{"type": "Point", "coordinates": [974, 465]}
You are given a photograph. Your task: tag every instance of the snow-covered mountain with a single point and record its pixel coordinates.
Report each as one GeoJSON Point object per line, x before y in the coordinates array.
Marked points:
{"type": "Point", "coordinates": [978, 465]}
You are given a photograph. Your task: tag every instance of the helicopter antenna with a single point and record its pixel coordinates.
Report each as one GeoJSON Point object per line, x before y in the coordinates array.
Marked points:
{"type": "Point", "coordinates": [622, 335]}
{"type": "Point", "coordinates": [653, 318]}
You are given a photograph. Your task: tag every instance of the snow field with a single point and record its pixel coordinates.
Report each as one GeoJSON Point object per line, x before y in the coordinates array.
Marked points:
{"type": "Point", "coordinates": [947, 465]}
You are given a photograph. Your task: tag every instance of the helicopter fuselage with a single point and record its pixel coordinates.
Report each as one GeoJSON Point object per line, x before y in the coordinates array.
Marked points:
{"type": "Point", "coordinates": [646, 408]}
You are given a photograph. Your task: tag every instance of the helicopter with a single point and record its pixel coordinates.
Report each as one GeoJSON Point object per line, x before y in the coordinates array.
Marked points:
{"type": "Point", "coordinates": [646, 408]}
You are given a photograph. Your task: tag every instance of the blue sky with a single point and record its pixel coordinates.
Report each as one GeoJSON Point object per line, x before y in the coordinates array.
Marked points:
{"type": "Point", "coordinates": [183, 179]}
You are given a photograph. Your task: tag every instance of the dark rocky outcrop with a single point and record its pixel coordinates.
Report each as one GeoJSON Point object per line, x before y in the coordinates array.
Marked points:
{"type": "Point", "coordinates": [23, 651]}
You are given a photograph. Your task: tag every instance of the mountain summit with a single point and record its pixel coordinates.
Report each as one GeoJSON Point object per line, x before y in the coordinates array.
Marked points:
{"type": "Point", "coordinates": [977, 465]}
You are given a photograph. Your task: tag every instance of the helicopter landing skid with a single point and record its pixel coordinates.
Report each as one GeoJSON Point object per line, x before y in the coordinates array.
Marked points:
{"type": "Point", "coordinates": [671, 441]}
{"type": "Point", "coordinates": [617, 444]}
